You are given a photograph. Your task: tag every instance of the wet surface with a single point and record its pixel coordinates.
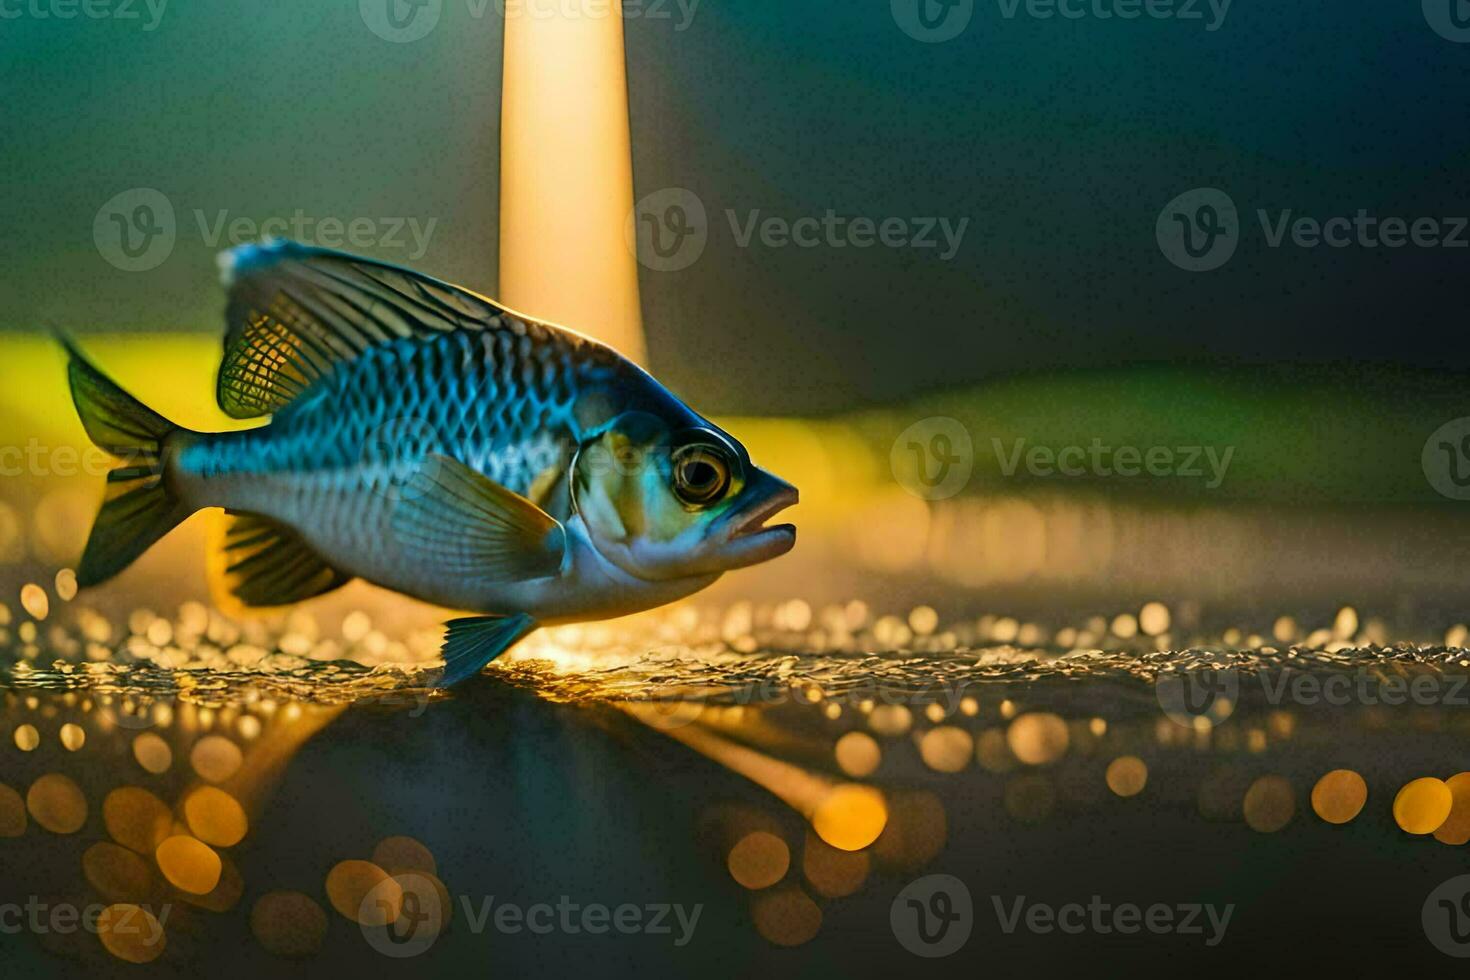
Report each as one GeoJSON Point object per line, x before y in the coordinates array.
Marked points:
{"type": "Point", "coordinates": [798, 775]}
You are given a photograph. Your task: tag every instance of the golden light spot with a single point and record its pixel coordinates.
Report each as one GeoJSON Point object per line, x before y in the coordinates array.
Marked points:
{"type": "Point", "coordinates": [1037, 738]}
{"type": "Point", "coordinates": [351, 882]}
{"type": "Point", "coordinates": [249, 727]}
{"type": "Point", "coordinates": [1153, 618]}
{"type": "Point", "coordinates": [1269, 804]}
{"type": "Point", "coordinates": [758, 860]}
{"type": "Point", "coordinates": [397, 855]}
{"type": "Point", "coordinates": [72, 737]}
{"type": "Point", "coordinates": [923, 620]}
{"type": "Point", "coordinates": [1456, 828]}
{"type": "Point", "coordinates": [12, 813]}
{"type": "Point", "coordinates": [832, 872]}
{"type": "Point", "coordinates": [1127, 775]}
{"type": "Point", "coordinates": [131, 933]}
{"type": "Point", "coordinates": [969, 707]}
{"type": "Point", "coordinates": [223, 896]}
{"type": "Point", "coordinates": [1124, 626]}
{"type": "Point", "coordinates": [992, 752]}
{"type": "Point", "coordinates": [891, 719]}
{"type": "Point", "coordinates": [27, 738]}
{"type": "Point", "coordinates": [136, 818]}
{"type": "Point", "coordinates": [858, 754]}
{"type": "Point", "coordinates": [34, 601]}
{"type": "Point", "coordinates": [786, 916]}
{"type": "Point", "coordinates": [946, 748]}
{"type": "Point", "coordinates": [215, 817]}
{"type": "Point", "coordinates": [356, 625]}
{"type": "Point", "coordinates": [934, 712]}
{"type": "Point", "coordinates": [117, 873]}
{"type": "Point", "coordinates": [57, 803]}
{"type": "Point", "coordinates": [1423, 805]}
{"type": "Point", "coordinates": [66, 585]}
{"type": "Point", "coordinates": [190, 865]}
{"type": "Point", "coordinates": [850, 817]}
{"type": "Point", "coordinates": [1339, 796]}
{"type": "Point", "coordinates": [215, 758]}
{"type": "Point", "coordinates": [288, 924]}
{"type": "Point", "coordinates": [916, 831]}
{"type": "Point", "coordinates": [1346, 623]}
{"type": "Point", "coordinates": [152, 753]}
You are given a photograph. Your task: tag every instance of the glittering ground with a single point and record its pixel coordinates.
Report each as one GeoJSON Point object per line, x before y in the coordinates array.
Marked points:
{"type": "Point", "coordinates": [189, 773]}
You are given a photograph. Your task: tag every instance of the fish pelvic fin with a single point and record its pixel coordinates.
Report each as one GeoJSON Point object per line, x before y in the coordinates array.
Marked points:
{"type": "Point", "coordinates": [139, 507]}
{"type": "Point", "coordinates": [472, 642]}
{"type": "Point", "coordinates": [259, 562]}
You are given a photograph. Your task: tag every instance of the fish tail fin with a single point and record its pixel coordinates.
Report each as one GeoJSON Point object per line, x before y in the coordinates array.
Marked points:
{"type": "Point", "coordinates": [140, 507]}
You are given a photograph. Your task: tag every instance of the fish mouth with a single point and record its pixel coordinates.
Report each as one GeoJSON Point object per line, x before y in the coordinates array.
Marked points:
{"type": "Point", "coordinates": [751, 540]}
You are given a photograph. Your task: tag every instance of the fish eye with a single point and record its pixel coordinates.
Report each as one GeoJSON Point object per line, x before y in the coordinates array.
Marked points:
{"type": "Point", "coordinates": [701, 474]}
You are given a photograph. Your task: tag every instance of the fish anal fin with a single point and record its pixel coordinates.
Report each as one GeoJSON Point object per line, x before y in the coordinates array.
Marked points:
{"type": "Point", "coordinates": [472, 642]}
{"type": "Point", "coordinates": [467, 524]}
{"type": "Point", "coordinates": [264, 563]}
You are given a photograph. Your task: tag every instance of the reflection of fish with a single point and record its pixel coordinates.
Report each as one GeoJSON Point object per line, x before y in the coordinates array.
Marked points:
{"type": "Point", "coordinates": [428, 440]}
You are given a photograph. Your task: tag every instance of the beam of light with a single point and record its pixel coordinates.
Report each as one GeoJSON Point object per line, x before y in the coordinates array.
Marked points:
{"type": "Point", "coordinates": [848, 816]}
{"type": "Point", "coordinates": [566, 171]}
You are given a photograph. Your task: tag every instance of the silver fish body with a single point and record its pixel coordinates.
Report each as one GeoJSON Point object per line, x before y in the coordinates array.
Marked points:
{"type": "Point", "coordinates": [428, 441]}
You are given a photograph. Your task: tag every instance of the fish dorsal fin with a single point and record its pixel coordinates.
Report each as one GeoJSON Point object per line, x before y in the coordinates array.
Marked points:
{"type": "Point", "coordinates": [268, 564]}
{"type": "Point", "coordinates": [294, 311]}
{"type": "Point", "coordinates": [467, 524]}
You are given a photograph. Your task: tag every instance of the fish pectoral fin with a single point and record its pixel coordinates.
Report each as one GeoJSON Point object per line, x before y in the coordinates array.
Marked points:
{"type": "Point", "coordinates": [467, 524]}
{"type": "Point", "coordinates": [472, 642]}
{"type": "Point", "coordinates": [265, 563]}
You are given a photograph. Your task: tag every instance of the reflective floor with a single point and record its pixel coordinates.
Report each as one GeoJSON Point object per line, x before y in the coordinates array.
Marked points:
{"type": "Point", "coordinates": [702, 791]}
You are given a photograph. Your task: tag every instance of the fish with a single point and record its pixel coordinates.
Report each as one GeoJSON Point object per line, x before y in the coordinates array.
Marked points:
{"type": "Point", "coordinates": [428, 440]}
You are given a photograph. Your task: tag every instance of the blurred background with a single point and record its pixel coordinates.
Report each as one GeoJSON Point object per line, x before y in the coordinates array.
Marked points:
{"type": "Point", "coordinates": [1098, 346]}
